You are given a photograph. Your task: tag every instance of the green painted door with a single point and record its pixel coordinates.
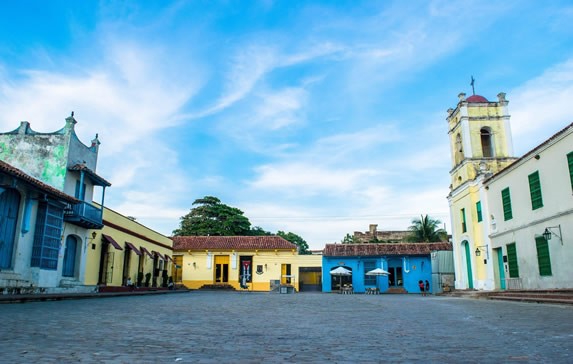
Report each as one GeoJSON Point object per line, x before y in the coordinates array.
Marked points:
{"type": "Point", "coordinates": [500, 267]}
{"type": "Point", "coordinates": [468, 264]}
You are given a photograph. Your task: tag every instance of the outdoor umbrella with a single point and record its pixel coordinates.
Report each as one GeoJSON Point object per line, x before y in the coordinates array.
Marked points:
{"type": "Point", "coordinates": [377, 272]}
{"type": "Point", "coordinates": [340, 271]}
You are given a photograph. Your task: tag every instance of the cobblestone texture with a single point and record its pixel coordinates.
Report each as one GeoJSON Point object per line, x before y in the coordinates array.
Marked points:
{"type": "Point", "coordinates": [246, 327]}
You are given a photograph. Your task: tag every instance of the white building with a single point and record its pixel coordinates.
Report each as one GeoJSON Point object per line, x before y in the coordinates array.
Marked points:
{"type": "Point", "coordinates": [533, 196]}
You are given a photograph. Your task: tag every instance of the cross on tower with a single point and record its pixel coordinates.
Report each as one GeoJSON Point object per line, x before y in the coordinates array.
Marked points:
{"type": "Point", "coordinates": [472, 83]}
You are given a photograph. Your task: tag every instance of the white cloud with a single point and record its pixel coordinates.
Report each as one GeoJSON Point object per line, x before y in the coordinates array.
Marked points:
{"type": "Point", "coordinates": [541, 106]}
{"type": "Point", "coordinates": [307, 179]}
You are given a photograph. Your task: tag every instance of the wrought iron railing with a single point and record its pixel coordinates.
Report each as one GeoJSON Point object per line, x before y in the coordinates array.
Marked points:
{"type": "Point", "coordinates": [83, 212]}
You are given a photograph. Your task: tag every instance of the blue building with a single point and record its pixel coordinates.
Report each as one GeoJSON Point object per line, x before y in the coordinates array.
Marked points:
{"type": "Point", "coordinates": [407, 263]}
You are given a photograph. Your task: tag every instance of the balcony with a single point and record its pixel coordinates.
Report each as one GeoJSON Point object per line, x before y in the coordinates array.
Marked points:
{"type": "Point", "coordinates": [84, 214]}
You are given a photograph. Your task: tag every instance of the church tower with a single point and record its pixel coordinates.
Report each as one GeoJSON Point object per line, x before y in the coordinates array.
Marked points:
{"type": "Point", "coordinates": [480, 145]}
{"type": "Point", "coordinates": [480, 137]}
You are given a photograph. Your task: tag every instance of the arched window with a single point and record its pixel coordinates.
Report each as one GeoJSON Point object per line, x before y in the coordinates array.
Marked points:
{"type": "Point", "coordinates": [486, 143]}
{"type": "Point", "coordinates": [459, 153]}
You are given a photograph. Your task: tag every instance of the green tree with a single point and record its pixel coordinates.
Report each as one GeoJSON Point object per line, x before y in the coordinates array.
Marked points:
{"type": "Point", "coordinates": [259, 231]}
{"type": "Point", "coordinates": [295, 239]}
{"type": "Point", "coordinates": [426, 229]}
{"type": "Point", "coordinates": [349, 239]}
{"type": "Point", "coordinates": [211, 217]}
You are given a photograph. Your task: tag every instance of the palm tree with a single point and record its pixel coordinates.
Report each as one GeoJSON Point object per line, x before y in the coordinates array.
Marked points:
{"type": "Point", "coordinates": [426, 229]}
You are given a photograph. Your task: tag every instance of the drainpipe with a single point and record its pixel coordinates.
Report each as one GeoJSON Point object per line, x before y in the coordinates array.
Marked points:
{"type": "Point", "coordinates": [406, 270]}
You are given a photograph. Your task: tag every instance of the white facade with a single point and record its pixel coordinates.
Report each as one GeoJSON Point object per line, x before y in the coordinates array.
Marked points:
{"type": "Point", "coordinates": [550, 161]}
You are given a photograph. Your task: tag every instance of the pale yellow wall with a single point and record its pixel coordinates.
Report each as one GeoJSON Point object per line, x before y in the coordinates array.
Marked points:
{"type": "Point", "coordinates": [196, 273]}
{"type": "Point", "coordinates": [474, 235]}
{"type": "Point", "coordinates": [128, 231]}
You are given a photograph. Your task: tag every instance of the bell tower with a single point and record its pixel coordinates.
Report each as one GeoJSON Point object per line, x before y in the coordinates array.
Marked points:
{"type": "Point", "coordinates": [480, 137]}
{"type": "Point", "coordinates": [480, 145]}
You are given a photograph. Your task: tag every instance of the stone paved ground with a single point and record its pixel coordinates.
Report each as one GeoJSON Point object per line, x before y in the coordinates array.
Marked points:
{"type": "Point", "coordinates": [214, 327]}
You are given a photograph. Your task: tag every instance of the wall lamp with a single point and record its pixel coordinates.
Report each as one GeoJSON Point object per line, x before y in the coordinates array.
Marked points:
{"type": "Point", "coordinates": [266, 267]}
{"type": "Point", "coordinates": [478, 251]}
{"type": "Point", "coordinates": [195, 265]}
{"type": "Point", "coordinates": [548, 233]}
{"type": "Point", "coordinates": [94, 235]}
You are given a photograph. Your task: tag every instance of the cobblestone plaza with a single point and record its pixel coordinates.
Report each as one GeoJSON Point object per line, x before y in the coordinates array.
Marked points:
{"type": "Point", "coordinates": [213, 327]}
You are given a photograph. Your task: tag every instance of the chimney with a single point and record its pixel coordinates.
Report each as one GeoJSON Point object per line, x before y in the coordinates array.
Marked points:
{"type": "Point", "coordinates": [373, 229]}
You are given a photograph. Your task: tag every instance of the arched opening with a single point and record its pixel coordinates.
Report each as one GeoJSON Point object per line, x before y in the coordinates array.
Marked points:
{"type": "Point", "coordinates": [337, 281]}
{"type": "Point", "coordinates": [486, 143]}
{"type": "Point", "coordinates": [459, 150]}
{"type": "Point", "coordinates": [468, 261]}
{"type": "Point", "coordinates": [70, 257]}
{"type": "Point", "coordinates": [9, 209]}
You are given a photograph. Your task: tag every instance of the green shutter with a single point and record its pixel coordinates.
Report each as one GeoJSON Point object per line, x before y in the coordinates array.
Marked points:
{"type": "Point", "coordinates": [506, 199]}
{"type": "Point", "coordinates": [570, 161]}
{"type": "Point", "coordinates": [464, 226]}
{"type": "Point", "coordinates": [478, 209]}
{"type": "Point", "coordinates": [543, 258]}
{"type": "Point", "coordinates": [535, 191]}
{"type": "Point", "coordinates": [512, 261]}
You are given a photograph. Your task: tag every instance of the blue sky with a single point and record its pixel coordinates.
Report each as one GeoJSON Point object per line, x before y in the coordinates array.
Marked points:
{"type": "Point", "coordinates": [316, 117]}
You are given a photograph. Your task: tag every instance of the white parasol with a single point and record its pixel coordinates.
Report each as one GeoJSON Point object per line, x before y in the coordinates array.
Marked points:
{"type": "Point", "coordinates": [340, 271]}
{"type": "Point", "coordinates": [377, 272]}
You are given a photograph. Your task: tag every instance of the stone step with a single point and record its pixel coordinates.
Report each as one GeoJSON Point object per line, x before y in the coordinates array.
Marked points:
{"type": "Point", "coordinates": [538, 299]}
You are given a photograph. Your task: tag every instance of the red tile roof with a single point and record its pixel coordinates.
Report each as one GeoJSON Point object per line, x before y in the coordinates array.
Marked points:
{"type": "Point", "coordinates": [476, 99]}
{"type": "Point", "coordinates": [354, 250]}
{"type": "Point", "coordinates": [231, 242]}
{"type": "Point", "coordinates": [15, 172]}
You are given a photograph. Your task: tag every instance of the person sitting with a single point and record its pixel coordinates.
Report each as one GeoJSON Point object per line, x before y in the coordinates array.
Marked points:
{"type": "Point", "coordinates": [129, 284]}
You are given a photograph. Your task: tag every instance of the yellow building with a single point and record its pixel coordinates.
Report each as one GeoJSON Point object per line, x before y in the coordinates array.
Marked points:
{"type": "Point", "coordinates": [258, 263]}
{"type": "Point", "coordinates": [126, 249]}
{"type": "Point", "coordinates": [480, 145]}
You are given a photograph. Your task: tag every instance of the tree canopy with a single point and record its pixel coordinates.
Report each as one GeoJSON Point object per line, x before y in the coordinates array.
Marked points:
{"type": "Point", "coordinates": [211, 217]}
{"type": "Point", "coordinates": [295, 239]}
{"type": "Point", "coordinates": [349, 239]}
{"type": "Point", "coordinates": [426, 229]}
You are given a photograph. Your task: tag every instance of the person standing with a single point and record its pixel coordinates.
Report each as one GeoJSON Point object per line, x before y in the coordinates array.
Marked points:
{"type": "Point", "coordinates": [422, 287]}
{"type": "Point", "coordinates": [427, 288]}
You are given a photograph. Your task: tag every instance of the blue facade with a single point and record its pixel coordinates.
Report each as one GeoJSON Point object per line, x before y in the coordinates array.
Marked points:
{"type": "Point", "coordinates": [406, 271]}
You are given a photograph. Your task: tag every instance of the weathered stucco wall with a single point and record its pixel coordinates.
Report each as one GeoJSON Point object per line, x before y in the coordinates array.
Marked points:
{"type": "Point", "coordinates": [41, 156]}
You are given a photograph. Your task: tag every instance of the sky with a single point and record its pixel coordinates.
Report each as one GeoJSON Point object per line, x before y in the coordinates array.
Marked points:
{"type": "Point", "coordinates": [314, 117]}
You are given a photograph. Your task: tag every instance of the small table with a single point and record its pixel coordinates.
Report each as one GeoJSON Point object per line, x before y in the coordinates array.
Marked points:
{"type": "Point", "coordinates": [346, 290]}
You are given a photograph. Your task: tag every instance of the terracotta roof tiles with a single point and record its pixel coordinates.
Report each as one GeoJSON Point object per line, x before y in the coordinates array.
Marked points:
{"type": "Point", "coordinates": [354, 250]}
{"type": "Point", "coordinates": [231, 242]}
{"type": "Point", "coordinates": [15, 172]}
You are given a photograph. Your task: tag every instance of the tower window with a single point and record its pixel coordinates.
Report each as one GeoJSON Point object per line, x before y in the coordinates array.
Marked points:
{"type": "Point", "coordinates": [459, 152]}
{"type": "Point", "coordinates": [486, 143]}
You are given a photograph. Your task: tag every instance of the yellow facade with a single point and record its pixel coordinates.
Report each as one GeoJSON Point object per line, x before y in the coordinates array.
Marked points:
{"type": "Point", "coordinates": [204, 267]}
{"type": "Point", "coordinates": [107, 265]}
{"type": "Point", "coordinates": [480, 145]}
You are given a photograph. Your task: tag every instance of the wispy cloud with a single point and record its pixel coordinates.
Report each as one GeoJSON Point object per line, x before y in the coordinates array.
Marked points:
{"type": "Point", "coordinates": [541, 106]}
